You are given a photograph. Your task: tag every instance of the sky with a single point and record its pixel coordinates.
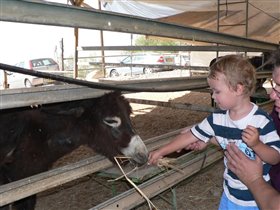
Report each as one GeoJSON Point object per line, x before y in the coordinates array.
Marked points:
{"type": "Point", "coordinates": [20, 41]}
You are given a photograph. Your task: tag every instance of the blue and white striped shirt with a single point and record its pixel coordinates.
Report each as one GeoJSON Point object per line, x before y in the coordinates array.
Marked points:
{"type": "Point", "coordinates": [225, 130]}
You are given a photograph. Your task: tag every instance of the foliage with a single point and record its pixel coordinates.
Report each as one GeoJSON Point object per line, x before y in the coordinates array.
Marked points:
{"type": "Point", "coordinates": [143, 41]}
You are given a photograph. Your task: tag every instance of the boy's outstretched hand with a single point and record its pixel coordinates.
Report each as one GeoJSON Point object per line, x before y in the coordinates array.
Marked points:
{"type": "Point", "coordinates": [154, 156]}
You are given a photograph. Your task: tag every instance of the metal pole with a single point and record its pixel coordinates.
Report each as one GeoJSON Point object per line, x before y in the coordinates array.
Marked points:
{"type": "Point", "coordinates": [62, 54]}
{"type": "Point", "coordinates": [76, 34]}
{"type": "Point", "coordinates": [102, 46]}
{"type": "Point", "coordinates": [218, 24]}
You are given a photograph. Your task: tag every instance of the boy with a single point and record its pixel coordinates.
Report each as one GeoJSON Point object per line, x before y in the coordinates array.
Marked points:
{"type": "Point", "coordinates": [232, 80]}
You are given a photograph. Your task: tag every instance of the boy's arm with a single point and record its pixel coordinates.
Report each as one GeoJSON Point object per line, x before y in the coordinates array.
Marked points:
{"type": "Point", "coordinates": [267, 153]}
{"type": "Point", "coordinates": [250, 135]}
{"type": "Point", "coordinates": [178, 143]}
{"type": "Point", "coordinates": [214, 141]}
{"type": "Point", "coordinates": [201, 145]}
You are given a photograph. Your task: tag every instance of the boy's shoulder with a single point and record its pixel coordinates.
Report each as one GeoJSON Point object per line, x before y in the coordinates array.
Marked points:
{"type": "Point", "coordinates": [261, 111]}
{"type": "Point", "coordinates": [262, 117]}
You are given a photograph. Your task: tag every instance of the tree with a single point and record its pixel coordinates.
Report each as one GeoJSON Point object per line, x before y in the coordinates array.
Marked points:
{"type": "Point", "coordinates": [143, 41]}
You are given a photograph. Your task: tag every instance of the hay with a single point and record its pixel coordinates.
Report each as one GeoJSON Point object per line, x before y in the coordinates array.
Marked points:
{"type": "Point", "coordinates": [168, 163]}
{"type": "Point", "coordinates": [150, 204]}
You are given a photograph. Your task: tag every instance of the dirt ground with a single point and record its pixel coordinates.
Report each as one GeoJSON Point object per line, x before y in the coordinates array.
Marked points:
{"type": "Point", "coordinates": [199, 192]}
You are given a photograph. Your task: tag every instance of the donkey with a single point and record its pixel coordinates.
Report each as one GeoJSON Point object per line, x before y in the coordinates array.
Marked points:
{"type": "Point", "coordinates": [31, 140]}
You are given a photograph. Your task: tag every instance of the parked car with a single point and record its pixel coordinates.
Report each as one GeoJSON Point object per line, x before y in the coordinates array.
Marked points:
{"type": "Point", "coordinates": [39, 64]}
{"type": "Point", "coordinates": [131, 68]}
{"type": "Point", "coordinates": [16, 80]}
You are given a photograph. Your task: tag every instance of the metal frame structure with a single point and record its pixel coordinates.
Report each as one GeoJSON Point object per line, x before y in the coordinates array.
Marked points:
{"type": "Point", "coordinates": [14, 98]}
{"type": "Point", "coordinates": [172, 48]}
{"type": "Point", "coordinates": [75, 17]}
{"type": "Point", "coordinates": [58, 15]}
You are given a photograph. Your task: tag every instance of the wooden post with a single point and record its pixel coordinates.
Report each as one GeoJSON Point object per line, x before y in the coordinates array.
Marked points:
{"type": "Point", "coordinates": [77, 3]}
{"type": "Point", "coordinates": [5, 82]}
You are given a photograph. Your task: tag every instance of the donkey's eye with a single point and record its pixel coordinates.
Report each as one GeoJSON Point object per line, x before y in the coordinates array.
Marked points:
{"type": "Point", "coordinates": [112, 121]}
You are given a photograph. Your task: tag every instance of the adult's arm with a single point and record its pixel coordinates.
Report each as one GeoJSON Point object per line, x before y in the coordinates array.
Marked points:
{"type": "Point", "coordinates": [250, 173]}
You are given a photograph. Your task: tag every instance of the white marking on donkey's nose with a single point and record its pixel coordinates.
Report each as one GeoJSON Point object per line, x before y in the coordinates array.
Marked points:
{"type": "Point", "coordinates": [136, 149]}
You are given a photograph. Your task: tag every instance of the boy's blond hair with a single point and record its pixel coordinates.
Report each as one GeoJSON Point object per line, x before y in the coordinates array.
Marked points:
{"type": "Point", "coordinates": [237, 70]}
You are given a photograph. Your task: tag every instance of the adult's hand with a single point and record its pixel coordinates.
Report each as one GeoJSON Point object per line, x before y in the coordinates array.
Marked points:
{"type": "Point", "coordinates": [246, 169]}
{"type": "Point", "coordinates": [250, 173]}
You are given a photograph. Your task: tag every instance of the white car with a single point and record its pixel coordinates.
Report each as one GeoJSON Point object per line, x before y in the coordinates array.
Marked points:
{"type": "Point", "coordinates": [130, 66]}
{"type": "Point", "coordinates": [17, 80]}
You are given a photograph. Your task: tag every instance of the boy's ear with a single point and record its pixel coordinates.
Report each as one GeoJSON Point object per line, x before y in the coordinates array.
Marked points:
{"type": "Point", "coordinates": [239, 89]}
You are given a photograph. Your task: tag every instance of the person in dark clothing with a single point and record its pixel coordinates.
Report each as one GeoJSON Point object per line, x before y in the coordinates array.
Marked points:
{"type": "Point", "coordinates": [275, 114]}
